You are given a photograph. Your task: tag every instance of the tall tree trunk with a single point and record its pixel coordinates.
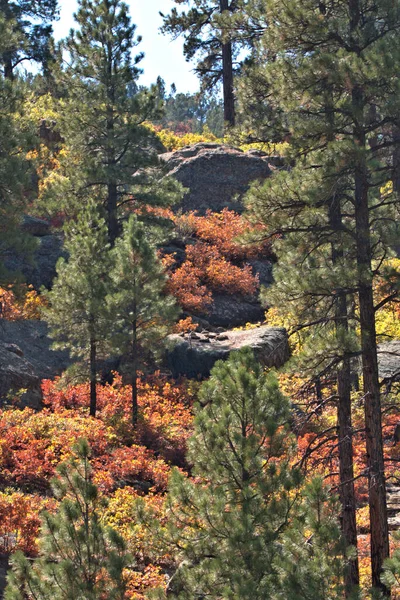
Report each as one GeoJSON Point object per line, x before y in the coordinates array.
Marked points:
{"type": "Point", "coordinates": [346, 473]}
{"type": "Point", "coordinates": [343, 379]}
{"type": "Point", "coordinates": [396, 160]}
{"type": "Point", "coordinates": [227, 76]}
{"type": "Point", "coordinates": [344, 420]}
{"type": "Point", "coordinates": [8, 66]}
{"type": "Point", "coordinates": [93, 377]}
{"type": "Point", "coordinates": [372, 399]}
{"type": "Point", "coordinates": [112, 217]}
{"type": "Point", "coordinates": [134, 375]}
{"type": "Point", "coordinates": [112, 187]}
{"type": "Point", "coordinates": [7, 57]}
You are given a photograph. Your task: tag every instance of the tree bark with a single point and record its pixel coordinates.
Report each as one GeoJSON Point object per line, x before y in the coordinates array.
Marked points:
{"type": "Point", "coordinates": [227, 76]}
{"type": "Point", "coordinates": [112, 187]}
{"type": "Point", "coordinates": [346, 473]}
{"type": "Point", "coordinates": [343, 380]}
{"type": "Point", "coordinates": [8, 66]}
{"type": "Point", "coordinates": [372, 400]}
{"type": "Point", "coordinates": [112, 217]}
{"type": "Point", "coordinates": [93, 377]}
{"type": "Point", "coordinates": [396, 160]}
{"type": "Point", "coordinates": [344, 421]}
{"type": "Point", "coordinates": [135, 409]}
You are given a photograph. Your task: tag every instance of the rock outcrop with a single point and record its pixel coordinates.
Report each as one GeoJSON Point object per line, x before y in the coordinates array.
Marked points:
{"type": "Point", "coordinates": [389, 361]}
{"type": "Point", "coordinates": [31, 338]}
{"type": "Point", "coordinates": [216, 176]}
{"type": "Point", "coordinates": [234, 311]}
{"type": "Point", "coordinates": [18, 378]}
{"type": "Point", "coordinates": [194, 355]}
{"type": "Point", "coordinates": [40, 270]}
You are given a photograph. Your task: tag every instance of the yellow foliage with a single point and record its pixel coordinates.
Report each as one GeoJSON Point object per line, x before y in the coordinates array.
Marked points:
{"type": "Point", "coordinates": [269, 148]}
{"type": "Point", "coordinates": [26, 304]}
{"type": "Point", "coordinates": [39, 108]}
{"type": "Point", "coordinates": [173, 141]}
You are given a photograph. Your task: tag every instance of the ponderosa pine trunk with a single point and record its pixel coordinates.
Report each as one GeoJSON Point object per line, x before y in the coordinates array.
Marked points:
{"type": "Point", "coordinates": [112, 216]}
{"type": "Point", "coordinates": [8, 66]}
{"type": "Point", "coordinates": [93, 378]}
{"type": "Point", "coordinates": [7, 58]}
{"type": "Point", "coordinates": [346, 473]}
{"type": "Point", "coordinates": [343, 380]}
{"type": "Point", "coordinates": [135, 409]}
{"type": "Point", "coordinates": [112, 187]}
{"type": "Point", "coordinates": [344, 421]}
{"type": "Point", "coordinates": [227, 76]}
{"type": "Point", "coordinates": [396, 159]}
{"type": "Point", "coordinates": [372, 399]}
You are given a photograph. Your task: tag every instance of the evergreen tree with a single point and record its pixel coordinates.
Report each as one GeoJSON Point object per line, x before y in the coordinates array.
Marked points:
{"type": "Point", "coordinates": [77, 312]}
{"type": "Point", "coordinates": [14, 167]}
{"type": "Point", "coordinates": [31, 24]}
{"type": "Point", "coordinates": [334, 78]}
{"type": "Point", "coordinates": [111, 153]}
{"type": "Point", "coordinates": [139, 309]}
{"type": "Point", "coordinates": [79, 558]}
{"type": "Point", "coordinates": [210, 39]}
{"type": "Point", "coordinates": [242, 527]}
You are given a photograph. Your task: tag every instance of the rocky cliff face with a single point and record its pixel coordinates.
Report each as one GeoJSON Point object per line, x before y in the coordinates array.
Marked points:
{"type": "Point", "coordinates": [195, 354]}
{"type": "Point", "coordinates": [41, 269]}
{"type": "Point", "coordinates": [216, 176]}
{"type": "Point", "coordinates": [25, 359]}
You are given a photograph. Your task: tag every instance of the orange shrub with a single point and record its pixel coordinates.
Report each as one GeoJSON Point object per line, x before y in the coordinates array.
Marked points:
{"type": "Point", "coordinates": [20, 521]}
{"type": "Point", "coordinates": [25, 304]}
{"type": "Point", "coordinates": [215, 262]}
{"type": "Point", "coordinates": [224, 229]}
{"type": "Point", "coordinates": [185, 284]}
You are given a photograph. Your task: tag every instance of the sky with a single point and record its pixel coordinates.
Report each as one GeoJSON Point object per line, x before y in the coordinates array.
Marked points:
{"type": "Point", "coordinates": [163, 56]}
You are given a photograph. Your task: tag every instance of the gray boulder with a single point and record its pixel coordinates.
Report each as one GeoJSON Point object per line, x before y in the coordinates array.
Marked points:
{"type": "Point", "coordinates": [389, 361]}
{"type": "Point", "coordinates": [234, 311]}
{"type": "Point", "coordinates": [31, 339]}
{"type": "Point", "coordinates": [194, 355]}
{"type": "Point", "coordinates": [40, 268]}
{"type": "Point", "coordinates": [34, 226]}
{"type": "Point", "coordinates": [17, 377]}
{"type": "Point", "coordinates": [216, 176]}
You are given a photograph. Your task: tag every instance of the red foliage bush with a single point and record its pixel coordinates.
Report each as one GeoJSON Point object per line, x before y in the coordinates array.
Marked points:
{"type": "Point", "coordinates": [32, 444]}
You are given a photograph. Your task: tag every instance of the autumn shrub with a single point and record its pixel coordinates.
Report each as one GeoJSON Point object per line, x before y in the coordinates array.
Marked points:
{"type": "Point", "coordinates": [32, 444]}
{"type": "Point", "coordinates": [165, 410]}
{"type": "Point", "coordinates": [20, 521]}
{"type": "Point", "coordinates": [20, 303]}
{"type": "Point", "coordinates": [215, 260]}
{"type": "Point", "coordinates": [185, 283]}
{"type": "Point", "coordinates": [175, 140]}
{"type": "Point", "coordinates": [227, 231]}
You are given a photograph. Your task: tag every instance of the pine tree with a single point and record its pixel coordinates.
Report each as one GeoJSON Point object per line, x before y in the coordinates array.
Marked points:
{"type": "Point", "coordinates": [14, 167]}
{"type": "Point", "coordinates": [242, 527]}
{"type": "Point", "coordinates": [111, 154]}
{"type": "Point", "coordinates": [209, 39]}
{"type": "Point", "coordinates": [77, 312]}
{"type": "Point", "coordinates": [140, 310]}
{"type": "Point", "coordinates": [31, 24]}
{"type": "Point", "coordinates": [79, 558]}
{"type": "Point", "coordinates": [334, 78]}
{"type": "Point", "coordinates": [315, 287]}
